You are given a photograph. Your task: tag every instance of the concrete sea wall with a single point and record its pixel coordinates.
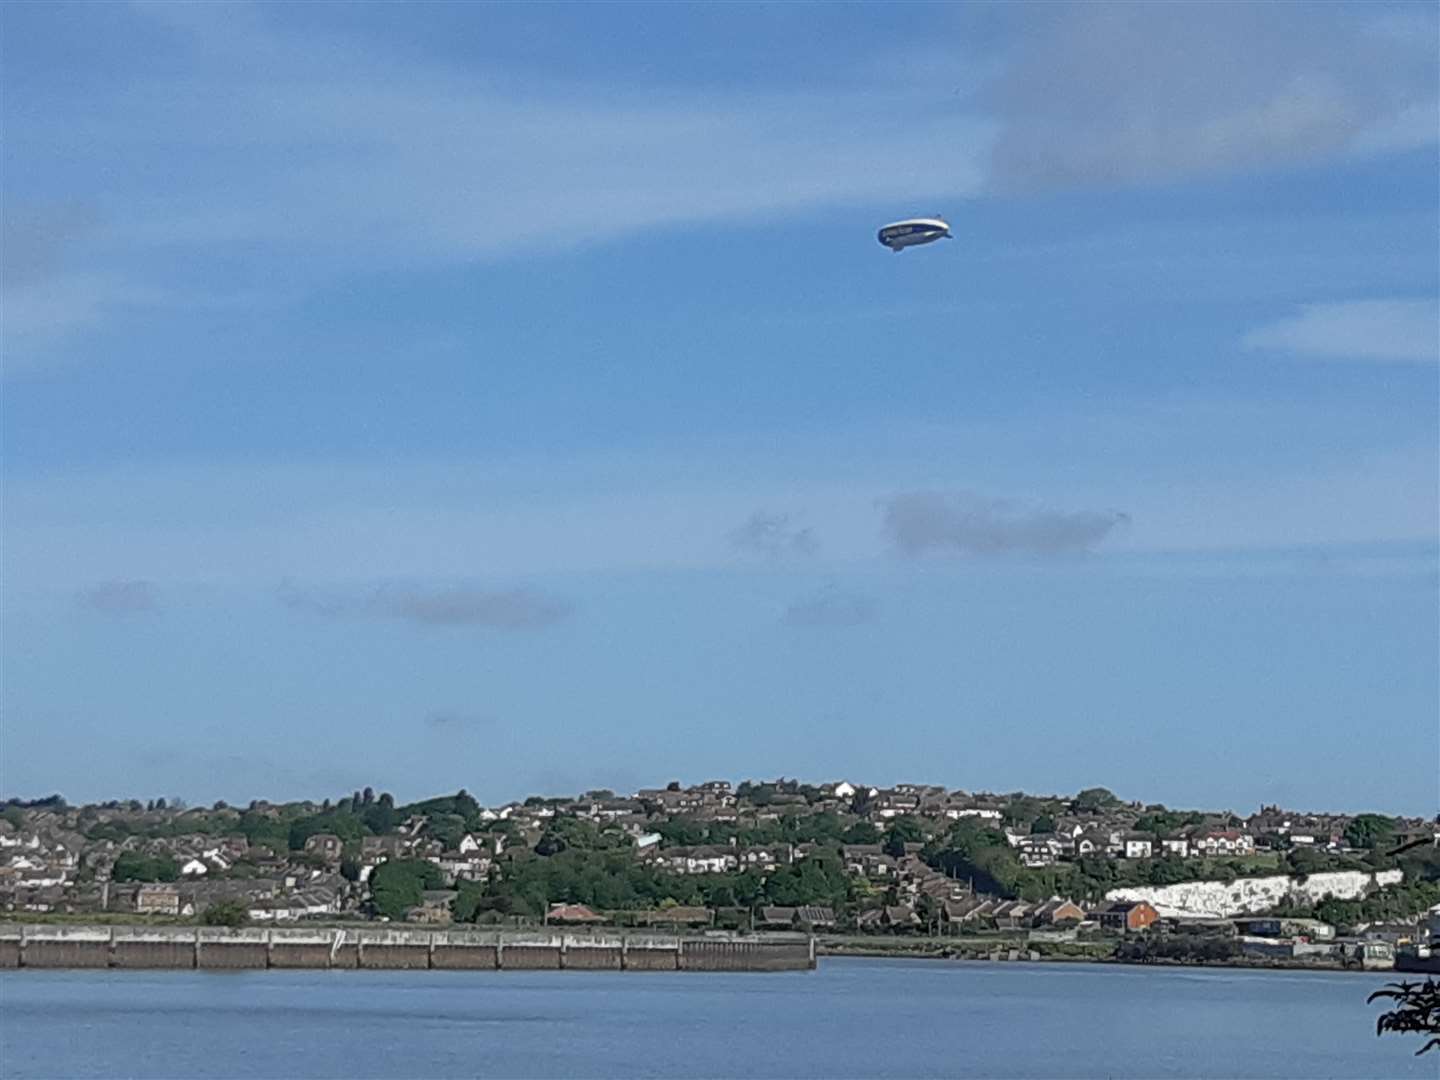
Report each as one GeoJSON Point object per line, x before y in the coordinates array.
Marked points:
{"type": "Point", "coordinates": [1248, 896]}
{"type": "Point", "coordinates": [45, 946]}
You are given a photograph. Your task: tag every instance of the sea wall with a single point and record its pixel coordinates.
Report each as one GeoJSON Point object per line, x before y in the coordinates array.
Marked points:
{"type": "Point", "coordinates": [40, 946]}
{"type": "Point", "coordinates": [1249, 896]}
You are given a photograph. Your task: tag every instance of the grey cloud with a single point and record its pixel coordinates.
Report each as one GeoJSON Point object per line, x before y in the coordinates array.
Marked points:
{"type": "Point", "coordinates": [831, 608]}
{"type": "Point", "coordinates": [121, 597]}
{"type": "Point", "coordinates": [774, 535]}
{"type": "Point", "coordinates": [918, 522]}
{"type": "Point", "coordinates": [511, 609]}
{"type": "Point", "coordinates": [1100, 94]}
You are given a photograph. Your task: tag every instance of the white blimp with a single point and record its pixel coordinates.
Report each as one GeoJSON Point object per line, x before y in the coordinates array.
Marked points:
{"type": "Point", "coordinates": [902, 234]}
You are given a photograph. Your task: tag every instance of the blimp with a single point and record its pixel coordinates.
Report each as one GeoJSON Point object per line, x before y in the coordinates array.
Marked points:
{"type": "Point", "coordinates": [902, 234]}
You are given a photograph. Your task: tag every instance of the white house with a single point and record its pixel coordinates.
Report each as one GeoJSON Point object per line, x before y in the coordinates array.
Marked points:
{"type": "Point", "coordinates": [194, 868]}
{"type": "Point", "coordinates": [844, 790]}
{"type": "Point", "coordinates": [1139, 847]}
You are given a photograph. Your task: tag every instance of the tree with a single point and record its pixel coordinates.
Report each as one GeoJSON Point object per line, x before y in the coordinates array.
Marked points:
{"type": "Point", "coordinates": [862, 832]}
{"type": "Point", "coordinates": [132, 866]}
{"type": "Point", "coordinates": [226, 913]}
{"type": "Point", "coordinates": [1043, 824]}
{"type": "Point", "coordinates": [908, 829]}
{"type": "Point", "coordinates": [367, 797]}
{"type": "Point", "coordinates": [1417, 1009]}
{"type": "Point", "coordinates": [1095, 798]}
{"type": "Point", "coordinates": [398, 885]}
{"type": "Point", "coordinates": [1369, 831]}
{"type": "Point", "coordinates": [673, 785]}
{"type": "Point", "coordinates": [894, 845]}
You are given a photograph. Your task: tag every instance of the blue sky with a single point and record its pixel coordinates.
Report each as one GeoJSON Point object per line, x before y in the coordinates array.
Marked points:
{"type": "Point", "coordinates": [516, 398]}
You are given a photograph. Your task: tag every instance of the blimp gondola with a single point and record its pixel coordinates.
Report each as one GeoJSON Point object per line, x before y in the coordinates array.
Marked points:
{"type": "Point", "coordinates": [902, 234]}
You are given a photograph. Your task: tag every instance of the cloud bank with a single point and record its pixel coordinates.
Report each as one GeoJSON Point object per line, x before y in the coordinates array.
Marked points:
{"type": "Point", "coordinates": [1385, 330]}
{"type": "Point", "coordinates": [513, 609]}
{"type": "Point", "coordinates": [1098, 95]}
{"type": "Point", "coordinates": [921, 522]}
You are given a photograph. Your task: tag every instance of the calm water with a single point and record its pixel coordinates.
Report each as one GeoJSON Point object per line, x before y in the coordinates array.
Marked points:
{"type": "Point", "coordinates": [852, 1018]}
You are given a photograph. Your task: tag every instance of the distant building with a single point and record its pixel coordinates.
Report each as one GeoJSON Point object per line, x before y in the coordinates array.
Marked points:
{"type": "Point", "coordinates": [1128, 916]}
{"type": "Point", "coordinates": [157, 900]}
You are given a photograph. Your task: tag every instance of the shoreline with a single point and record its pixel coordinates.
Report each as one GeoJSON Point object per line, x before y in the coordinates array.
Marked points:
{"type": "Point", "coordinates": [935, 951]}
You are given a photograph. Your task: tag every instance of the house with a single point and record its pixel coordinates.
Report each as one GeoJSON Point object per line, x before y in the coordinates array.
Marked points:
{"type": "Point", "coordinates": [457, 866]}
{"type": "Point", "coordinates": [1039, 850]}
{"type": "Point", "coordinates": [1056, 910]}
{"type": "Point", "coordinates": [705, 859]}
{"type": "Point", "coordinates": [765, 858]}
{"type": "Point", "coordinates": [680, 915]}
{"type": "Point", "coordinates": [1223, 842]}
{"type": "Point", "coordinates": [1128, 916]}
{"type": "Point", "coordinates": [1178, 846]}
{"type": "Point", "coordinates": [1138, 845]}
{"type": "Point", "coordinates": [194, 867]}
{"type": "Point", "coordinates": [572, 913]}
{"type": "Point", "coordinates": [870, 919]}
{"type": "Point", "coordinates": [327, 845]}
{"type": "Point", "coordinates": [1012, 914]}
{"type": "Point", "coordinates": [157, 900]}
{"type": "Point", "coordinates": [474, 843]}
{"type": "Point", "coordinates": [784, 918]}
{"type": "Point", "coordinates": [434, 908]}
{"type": "Point", "coordinates": [843, 790]}
{"type": "Point", "coordinates": [900, 917]}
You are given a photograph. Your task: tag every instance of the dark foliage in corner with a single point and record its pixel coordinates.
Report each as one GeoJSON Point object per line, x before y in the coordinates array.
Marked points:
{"type": "Point", "coordinates": [1417, 1009]}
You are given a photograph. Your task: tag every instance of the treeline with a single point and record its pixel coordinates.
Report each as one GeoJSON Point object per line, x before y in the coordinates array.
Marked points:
{"type": "Point", "coordinates": [576, 862]}
{"type": "Point", "coordinates": [1178, 948]}
{"type": "Point", "coordinates": [1401, 902]}
{"type": "Point", "coordinates": [974, 852]}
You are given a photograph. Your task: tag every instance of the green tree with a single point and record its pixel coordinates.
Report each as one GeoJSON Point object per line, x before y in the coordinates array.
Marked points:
{"type": "Point", "coordinates": [862, 832]}
{"type": "Point", "coordinates": [1095, 798]}
{"type": "Point", "coordinates": [1043, 824]}
{"type": "Point", "coordinates": [226, 913]}
{"type": "Point", "coordinates": [908, 829]}
{"type": "Point", "coordinates": [1369, 831]}
{"type": "Point", "coordinates": [399, 884]}
{"type": "Point", "coordinates": [132, 866]}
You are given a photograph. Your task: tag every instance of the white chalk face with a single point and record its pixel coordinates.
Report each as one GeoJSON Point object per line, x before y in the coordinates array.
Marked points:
{"type": "Point", "coordinates": [903, 234]}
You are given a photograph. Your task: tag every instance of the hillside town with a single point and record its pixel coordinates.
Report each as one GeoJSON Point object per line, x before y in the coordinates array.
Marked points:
{"type": "Point", "coordinates": [840, 859]}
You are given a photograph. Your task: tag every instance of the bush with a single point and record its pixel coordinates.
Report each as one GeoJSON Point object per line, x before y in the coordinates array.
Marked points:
{"type": "Point", "coordinates": [226, 913]}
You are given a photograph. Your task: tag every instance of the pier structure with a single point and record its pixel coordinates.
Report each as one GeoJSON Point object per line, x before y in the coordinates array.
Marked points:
{"type": "Point", "coordinates": [173, 947]}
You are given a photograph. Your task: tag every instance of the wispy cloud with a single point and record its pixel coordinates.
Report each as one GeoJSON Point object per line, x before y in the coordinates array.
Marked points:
{"type": "Point", "coordinates": [1101, 94]}
{"type": "Point", "coordinates": [512, 609]}
{"type": "Point", "coordinates": [451, 722]}
{"type": "Point", "coordinates": [774, 536]}
{"type": "Point", "coordinates": [919, 522]}
{"type": "Point", "coordinates": [120, 597]}
{"type": "Point", "coordinates": [336, 141]}
{"type": "Point", "coordinates": [831, 608]}
{"type": "Point", "coordinates": [1393, 330]}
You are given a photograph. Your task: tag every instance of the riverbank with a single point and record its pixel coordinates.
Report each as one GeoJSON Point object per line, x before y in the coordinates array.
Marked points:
{"type": "Point", "coordinates": [1018, 950]}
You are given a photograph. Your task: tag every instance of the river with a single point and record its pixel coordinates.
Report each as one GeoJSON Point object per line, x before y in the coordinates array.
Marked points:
{"type": "Point", "coordinates": [850, 1018]}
